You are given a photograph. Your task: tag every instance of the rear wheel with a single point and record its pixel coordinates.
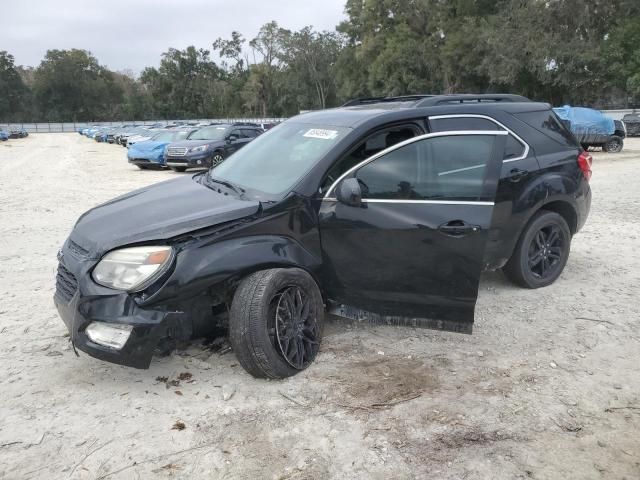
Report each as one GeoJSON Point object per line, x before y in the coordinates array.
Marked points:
{"type": "Point", "coordinates": [613, 145]}
{"type": "Point", "coordinates": [178, 169]}
{"type": "Point", "coordinates": [542, 251]}
{"type": "Point", "coordinates": [276, 320]}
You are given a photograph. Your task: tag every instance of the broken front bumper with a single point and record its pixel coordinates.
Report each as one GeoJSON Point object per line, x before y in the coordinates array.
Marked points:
{"type": "Point", "coordinates": [80, 301]}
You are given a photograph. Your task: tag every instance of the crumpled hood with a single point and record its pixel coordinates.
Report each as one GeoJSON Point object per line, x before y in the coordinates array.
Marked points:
{"type": "Point", "coordinates": [157, 212]}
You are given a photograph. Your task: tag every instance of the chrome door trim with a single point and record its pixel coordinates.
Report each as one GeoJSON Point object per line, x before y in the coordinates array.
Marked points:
{"type": "Point", "coordinates": [491, 119]}
{"type": "Point", "coordinates": [408, 142]}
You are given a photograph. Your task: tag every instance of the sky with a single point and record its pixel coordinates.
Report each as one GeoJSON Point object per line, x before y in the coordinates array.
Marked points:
{"type": "Point", "coordinates": [132, 34]}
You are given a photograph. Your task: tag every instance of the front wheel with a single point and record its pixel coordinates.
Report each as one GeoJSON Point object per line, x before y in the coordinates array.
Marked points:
{"type": "Point", "coordinates": [217, 159]}
{"type": "Point", "coordinates": [542, 251]}
{"type": "Point", "coordinates": [276, 321]}
{"type": "Point", "coordinates": [613, 145]}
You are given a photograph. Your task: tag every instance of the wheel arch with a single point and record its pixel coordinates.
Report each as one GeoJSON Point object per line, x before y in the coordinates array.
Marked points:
{"type": "Point", "coordinates": [564, 209]}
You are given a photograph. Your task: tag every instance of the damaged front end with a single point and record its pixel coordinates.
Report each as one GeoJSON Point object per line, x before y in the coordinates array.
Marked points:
{"type": "Point", "coordinates": [109, 324]}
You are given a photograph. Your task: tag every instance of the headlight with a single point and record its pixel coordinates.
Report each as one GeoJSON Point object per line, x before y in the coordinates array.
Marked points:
{"type": "Point", "coordinates": [201, 148]}
{"type": "Point", "coordinates": [133, 269]}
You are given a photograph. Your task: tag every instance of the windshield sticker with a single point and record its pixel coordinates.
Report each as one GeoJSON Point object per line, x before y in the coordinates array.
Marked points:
{"type": "Point", "coordinates": [321, 134]}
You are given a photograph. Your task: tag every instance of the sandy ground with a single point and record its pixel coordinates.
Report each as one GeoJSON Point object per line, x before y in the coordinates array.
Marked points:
{"type": "Point", "coordinates": [548, 387]}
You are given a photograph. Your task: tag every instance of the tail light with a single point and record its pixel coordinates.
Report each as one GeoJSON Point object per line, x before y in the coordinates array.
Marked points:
{"type": "Point", "coordinates": [584, 162]}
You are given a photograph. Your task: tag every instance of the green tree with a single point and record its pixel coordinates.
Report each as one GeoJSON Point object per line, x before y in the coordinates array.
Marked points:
{"type": "Point", "coordinates": [14, 94]}
{"type": "Point", "coordinates": [185, 84]}
{"type": "Point", "coordinates": [310, 59]}
{"type": "Point", "coordinates": [70, 85]}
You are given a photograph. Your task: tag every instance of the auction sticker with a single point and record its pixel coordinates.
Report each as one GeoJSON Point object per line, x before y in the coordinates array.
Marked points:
{"type": "Point", "coordinates": [321, 134]}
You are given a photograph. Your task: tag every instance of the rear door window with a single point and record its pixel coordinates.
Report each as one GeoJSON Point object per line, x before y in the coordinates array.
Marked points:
{"type": "Point", "coordinates": [249, 133]}
{"type": "Point", "coordinates": [514, 148]}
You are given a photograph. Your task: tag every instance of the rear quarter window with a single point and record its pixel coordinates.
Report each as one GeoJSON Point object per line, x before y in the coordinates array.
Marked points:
{"type": "Point", "coordinates": [547, 123]}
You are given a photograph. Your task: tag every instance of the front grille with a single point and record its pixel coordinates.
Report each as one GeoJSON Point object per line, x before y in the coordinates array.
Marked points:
{"type": "Point", "coordinates": [77, 249]}
{"type": "Point", "coordinates": [66, 284]}
{"type": "Point", "coordinates": [177, 151]}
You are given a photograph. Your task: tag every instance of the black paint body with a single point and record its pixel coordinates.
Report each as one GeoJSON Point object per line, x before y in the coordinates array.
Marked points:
{"type": "Point", "coordinates": [389, 259]}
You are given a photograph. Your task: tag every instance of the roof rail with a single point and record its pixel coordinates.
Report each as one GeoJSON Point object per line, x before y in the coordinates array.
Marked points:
{"type": "Point", "coordinates": [470, 98]}
{"type": "Point", "coordinates": [245, 124]}
{"type": "Point", "coordinates": [369, 100]}
{"type": "Point", "coordinates": [424, 100]}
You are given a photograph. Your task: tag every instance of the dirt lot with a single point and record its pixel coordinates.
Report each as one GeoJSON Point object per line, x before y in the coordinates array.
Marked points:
{"type": "Point", "coordinates": [548, 387]}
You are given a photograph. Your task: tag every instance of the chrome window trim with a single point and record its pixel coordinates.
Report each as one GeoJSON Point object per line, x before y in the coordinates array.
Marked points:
{"type": "Point", "coordinates": [432, 202]}
{"type": "Point", "coordinates": [408, 142]}
{"type": "Point", "coordinates": [491, 119]}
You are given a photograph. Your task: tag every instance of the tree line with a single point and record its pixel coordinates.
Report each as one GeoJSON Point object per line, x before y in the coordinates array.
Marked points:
{"type": "Point", "coordinates": [584, 52]}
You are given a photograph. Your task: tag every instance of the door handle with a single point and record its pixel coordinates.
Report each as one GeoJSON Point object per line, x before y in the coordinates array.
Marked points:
{"type": "Point", "coordinates": [515, 175]}
{"type": "Point", "coordinates": [458, 228]}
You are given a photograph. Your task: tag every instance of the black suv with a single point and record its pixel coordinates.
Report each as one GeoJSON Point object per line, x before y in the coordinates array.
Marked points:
{"type": "Point", "coordinates": [385, 209]}
{"type": "Point", "coordinates": [209, 146]}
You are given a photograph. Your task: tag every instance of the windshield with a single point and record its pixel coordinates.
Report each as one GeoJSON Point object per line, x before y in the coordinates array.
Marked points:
{"type": "Point", "coordinates": [166, 136]}
{"type": "Point", "coordinates": [209, 133]}
{"type": "Point", "coordinates": [170, 136]}
{"type": "Point", "coordinates": [276, 160]}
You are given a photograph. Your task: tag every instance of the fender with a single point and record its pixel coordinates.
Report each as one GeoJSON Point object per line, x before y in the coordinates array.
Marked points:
{"type": "Point", "coordinates": [558, 188]}
{"type": "Point", "coordinates": [552, 187]}
{"type": "Point", "coordinates": [215, 265]}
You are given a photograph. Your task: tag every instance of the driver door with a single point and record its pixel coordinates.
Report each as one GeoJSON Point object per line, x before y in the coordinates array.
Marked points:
{"type": "Point", "coordinates": [233, 142]}
{"type": "Point", "coordinates": [403, 233]}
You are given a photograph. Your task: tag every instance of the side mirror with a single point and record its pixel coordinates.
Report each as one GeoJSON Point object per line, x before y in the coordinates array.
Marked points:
{"type": "Point", "coordinates": [232, 138]}
{"type": "Point", "coordinates": [349, 192]}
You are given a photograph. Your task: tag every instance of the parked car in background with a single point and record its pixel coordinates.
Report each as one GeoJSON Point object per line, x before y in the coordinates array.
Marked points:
{"type": "Point", "coordinates": [102, 134]}
{"type": "Point", "coordinates": [593, 128]}
{"type": "Point", "coordinates": [150, 154]}
{"type": "Point", "coordinates": [4, 135]}
{"type": "Point", "coordinates": [386, 209]}
{"type": "Point", "coordinates": [130, 132]}
{"type": "Point", "coordinates": [17, 132]}
{"type": "Point", "coordinates": [209, 146]}
{"type": "Point", "coordinates": [632, 124]}
{"type": "Point", "coordinates": [142, 136]}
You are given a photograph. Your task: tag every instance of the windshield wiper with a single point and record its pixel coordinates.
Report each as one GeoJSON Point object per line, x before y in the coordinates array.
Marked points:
{"type": "Point", "coordinates": [238, 190]}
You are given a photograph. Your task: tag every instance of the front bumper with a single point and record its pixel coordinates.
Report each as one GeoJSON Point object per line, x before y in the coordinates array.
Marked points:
{"type": "Point", "coordinates": [146, 159]}
{"type": "Point", "coordinates": [200, 160]}
{"type": "Point", "coordinates": [80, 301]}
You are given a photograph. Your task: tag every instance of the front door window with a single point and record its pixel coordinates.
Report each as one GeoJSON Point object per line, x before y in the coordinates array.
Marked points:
{"type": "Point", "coordinates": [440, 168]}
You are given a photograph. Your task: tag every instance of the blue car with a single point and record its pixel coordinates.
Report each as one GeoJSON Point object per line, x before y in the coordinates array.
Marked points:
{"type": "Point", "coordinates": [4, 135]}
{"type": "Point", "coordinates": [150, 154]}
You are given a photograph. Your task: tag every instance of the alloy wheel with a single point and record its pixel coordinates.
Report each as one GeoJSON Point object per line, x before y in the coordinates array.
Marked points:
{"type": "Point", "coordinates": [216, 160]}
{"type": "Point", "coordinates": [546, 250]}
{"type": "Point", "coordinates": [614, 146]}
{"type": "Point", "coordinates": [296, 327]}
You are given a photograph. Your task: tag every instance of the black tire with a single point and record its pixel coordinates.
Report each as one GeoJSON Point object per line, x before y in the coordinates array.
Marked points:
{"type": "Point", "coordinates": [216, 159]}
{"type": "Point", "coordinates": [142, 167]}
{"type": "Point", "coordinates": [537, 248]}
{"type": "Point", "coordinates": [178, 169]}
{"type": "Point", "coordinates": [613, 145]}
{"type": "Point", "coordinates": [260, 345]}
